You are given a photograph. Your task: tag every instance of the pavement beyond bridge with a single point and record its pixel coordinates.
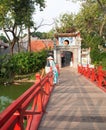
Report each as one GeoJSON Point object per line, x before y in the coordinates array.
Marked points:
{"type": "Point", "coordinates": [75, 104]}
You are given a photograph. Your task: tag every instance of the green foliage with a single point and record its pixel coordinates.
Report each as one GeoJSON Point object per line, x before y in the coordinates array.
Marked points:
{"type": "Point", "coordinates": [43, 35]}
{"type": "Point", "coordinates": [98, 57]}
{"type": "Point", "coordinates": [103, 60]}
{"type": "Point", "coordinates": [95, 55]}
{"type": "Point", "coordinates": [3, 38]}
{"type": "Point", "coordinates": [18, 12]}
{"type": "Point", "coordinates": [6, 69]}
{"type": "Point", "coordinates": [22, 63]}
{"type": "Point", "coordinates": [91, 21]}
{"type": "Point", "coordinates": [28, 62]}
{"type": "Point", "coordinates": [16, 16]}
{"type": "Point", "coordinates": [65, 23]}
{"type": "Point", "coordinates": [37, 34]}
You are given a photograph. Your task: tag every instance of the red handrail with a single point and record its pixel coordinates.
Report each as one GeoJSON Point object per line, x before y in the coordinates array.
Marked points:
{"type": "Point", "coordinates": [97, 75]}
{"type": "Point", "coordinates": [26, 111]}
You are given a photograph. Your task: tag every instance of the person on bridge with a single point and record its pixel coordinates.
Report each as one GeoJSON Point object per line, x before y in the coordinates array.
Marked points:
{"type": "Point", "coordinates": [55, 71]}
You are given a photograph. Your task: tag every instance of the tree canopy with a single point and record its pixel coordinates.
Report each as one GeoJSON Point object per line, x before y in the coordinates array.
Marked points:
{"type": "Point", "coordinates": [91, 22]}
{"type": "Point", "coordinates": [16, 16]}
{"type": "Point", "coordinates": [65, 23]}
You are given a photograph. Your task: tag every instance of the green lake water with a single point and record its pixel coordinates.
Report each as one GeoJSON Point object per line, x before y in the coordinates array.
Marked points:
{"type": "Point", "coordinates": [11, 92]}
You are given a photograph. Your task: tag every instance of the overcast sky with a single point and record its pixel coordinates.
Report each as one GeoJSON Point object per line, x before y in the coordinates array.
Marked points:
{"type": "Point", "coordinates": [53, 10]}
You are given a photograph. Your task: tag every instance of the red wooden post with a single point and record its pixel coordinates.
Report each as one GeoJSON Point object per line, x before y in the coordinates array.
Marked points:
{"type": "Point", "coordinates": [17, 126]}
{"type": "Point", "coordinates": [87, 73]}
{"type": "Point", "coordinates": [37, 78]}
{"type": "Point", "coordinates": [81, 69]}
{"type": "Point", "coordinates": [39, 97]}
{"type": "Point", "coordinates": [47, 87]}
{"type": "Point", "coordinates": [100, 76]}
{"type": "Point", "coordinates": [84, 71]}
{"type": "Point", "coordinates": [93, 75]}
{"type": "Point", "coordinates": [39, 103]}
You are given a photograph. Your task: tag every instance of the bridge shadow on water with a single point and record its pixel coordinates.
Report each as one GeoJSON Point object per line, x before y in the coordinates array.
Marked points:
{"type": "Point", "coordinates": [75, 104]}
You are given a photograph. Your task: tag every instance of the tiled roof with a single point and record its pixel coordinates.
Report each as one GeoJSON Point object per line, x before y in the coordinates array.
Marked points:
{"type": "Point", "coordinates": [74, 34]}
{"type": "Point", "coordinates": [38, 45]}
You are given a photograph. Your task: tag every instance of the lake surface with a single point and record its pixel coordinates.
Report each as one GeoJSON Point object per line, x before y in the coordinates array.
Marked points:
{"type": "Point", "coordinates": [11, 92]}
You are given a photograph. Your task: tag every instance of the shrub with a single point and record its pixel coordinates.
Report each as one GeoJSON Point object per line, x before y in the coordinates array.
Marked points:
{"type": "Point", "coordinates": [21, 63]}
{"type": "Point", "coordinates": [29, 62]}
{"type": "Point", "coordinates": [98, 58]}
{"type": "Point", "coordinates": [6, 69]}
{"type": "Point", "coordinates": [95, 55]}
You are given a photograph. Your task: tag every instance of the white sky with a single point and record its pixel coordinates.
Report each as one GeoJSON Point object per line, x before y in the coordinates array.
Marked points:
{"type": "Point", "coordinates": [53, 10]}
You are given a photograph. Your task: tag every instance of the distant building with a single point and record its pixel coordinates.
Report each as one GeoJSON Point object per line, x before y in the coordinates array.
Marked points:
{"type": "Point", "coordinates": [41, 44]}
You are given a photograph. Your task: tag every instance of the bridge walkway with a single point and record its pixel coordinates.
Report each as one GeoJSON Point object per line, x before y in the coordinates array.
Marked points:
{"type": "Point", "coordinates": [75, 104]}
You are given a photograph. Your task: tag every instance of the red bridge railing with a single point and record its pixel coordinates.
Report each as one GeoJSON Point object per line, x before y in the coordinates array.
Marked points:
{"type": "Point", "coordinates": [97, 75]}
{"type": "Point", "coordinates": [25, 113]}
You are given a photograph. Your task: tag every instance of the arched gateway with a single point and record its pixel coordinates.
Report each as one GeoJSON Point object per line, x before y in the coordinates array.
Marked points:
{"type": "Point", "coordinates": [68, 50]}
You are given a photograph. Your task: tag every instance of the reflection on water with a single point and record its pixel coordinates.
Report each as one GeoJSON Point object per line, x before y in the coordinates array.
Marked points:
{"type": "Point", "coordinates": [4, 102]}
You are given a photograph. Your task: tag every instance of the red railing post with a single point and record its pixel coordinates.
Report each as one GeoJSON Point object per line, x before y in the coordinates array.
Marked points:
{"type": "Point", "coordinates": [47, 88]}
{"type": "Point", "coordinates": [87, 70]}
{"type": "Point", "coordinates": [81, 69]}
{"type": "Point", "coordinates": [37, 78]}
{"type": "Point", "coordinates": [18, 126]}
{"type": "Point", "coordinates": [100, 76]}
{"type": "Point", "coordinates": [93, 74]}
{"type": "Point", "coordinates": [39, 97]}
{"type": "Point", "coordinates": [39, 103]}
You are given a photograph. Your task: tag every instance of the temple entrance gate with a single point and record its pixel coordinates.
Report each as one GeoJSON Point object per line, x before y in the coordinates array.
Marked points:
{"type": "Point", "coordinates": [67, 49]}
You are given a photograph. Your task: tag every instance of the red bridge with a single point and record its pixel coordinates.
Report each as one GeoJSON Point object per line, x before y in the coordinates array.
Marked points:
{"type": "Point", "coordinates": [77, 103]}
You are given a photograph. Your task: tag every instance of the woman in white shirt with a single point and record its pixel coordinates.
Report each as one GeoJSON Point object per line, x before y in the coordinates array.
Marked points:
{"type": "Point", "coordinates": [55, 72]}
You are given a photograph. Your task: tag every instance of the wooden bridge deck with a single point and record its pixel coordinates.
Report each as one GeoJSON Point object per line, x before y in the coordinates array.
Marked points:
{"type": "Point", "coordinates": [75, 104]}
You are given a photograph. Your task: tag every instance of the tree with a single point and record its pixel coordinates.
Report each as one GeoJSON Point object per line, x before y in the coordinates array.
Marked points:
{"type": "Point", "coordinates": [65, 23]}
{"type": "Point", "coordinates": [91, 21]}
{"type": "Point", "coordinates": [43, 35]}
{"type": "Point", "coordinates": [16, 16]}
{"type": "Point", "coordinates": [96, 9]}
